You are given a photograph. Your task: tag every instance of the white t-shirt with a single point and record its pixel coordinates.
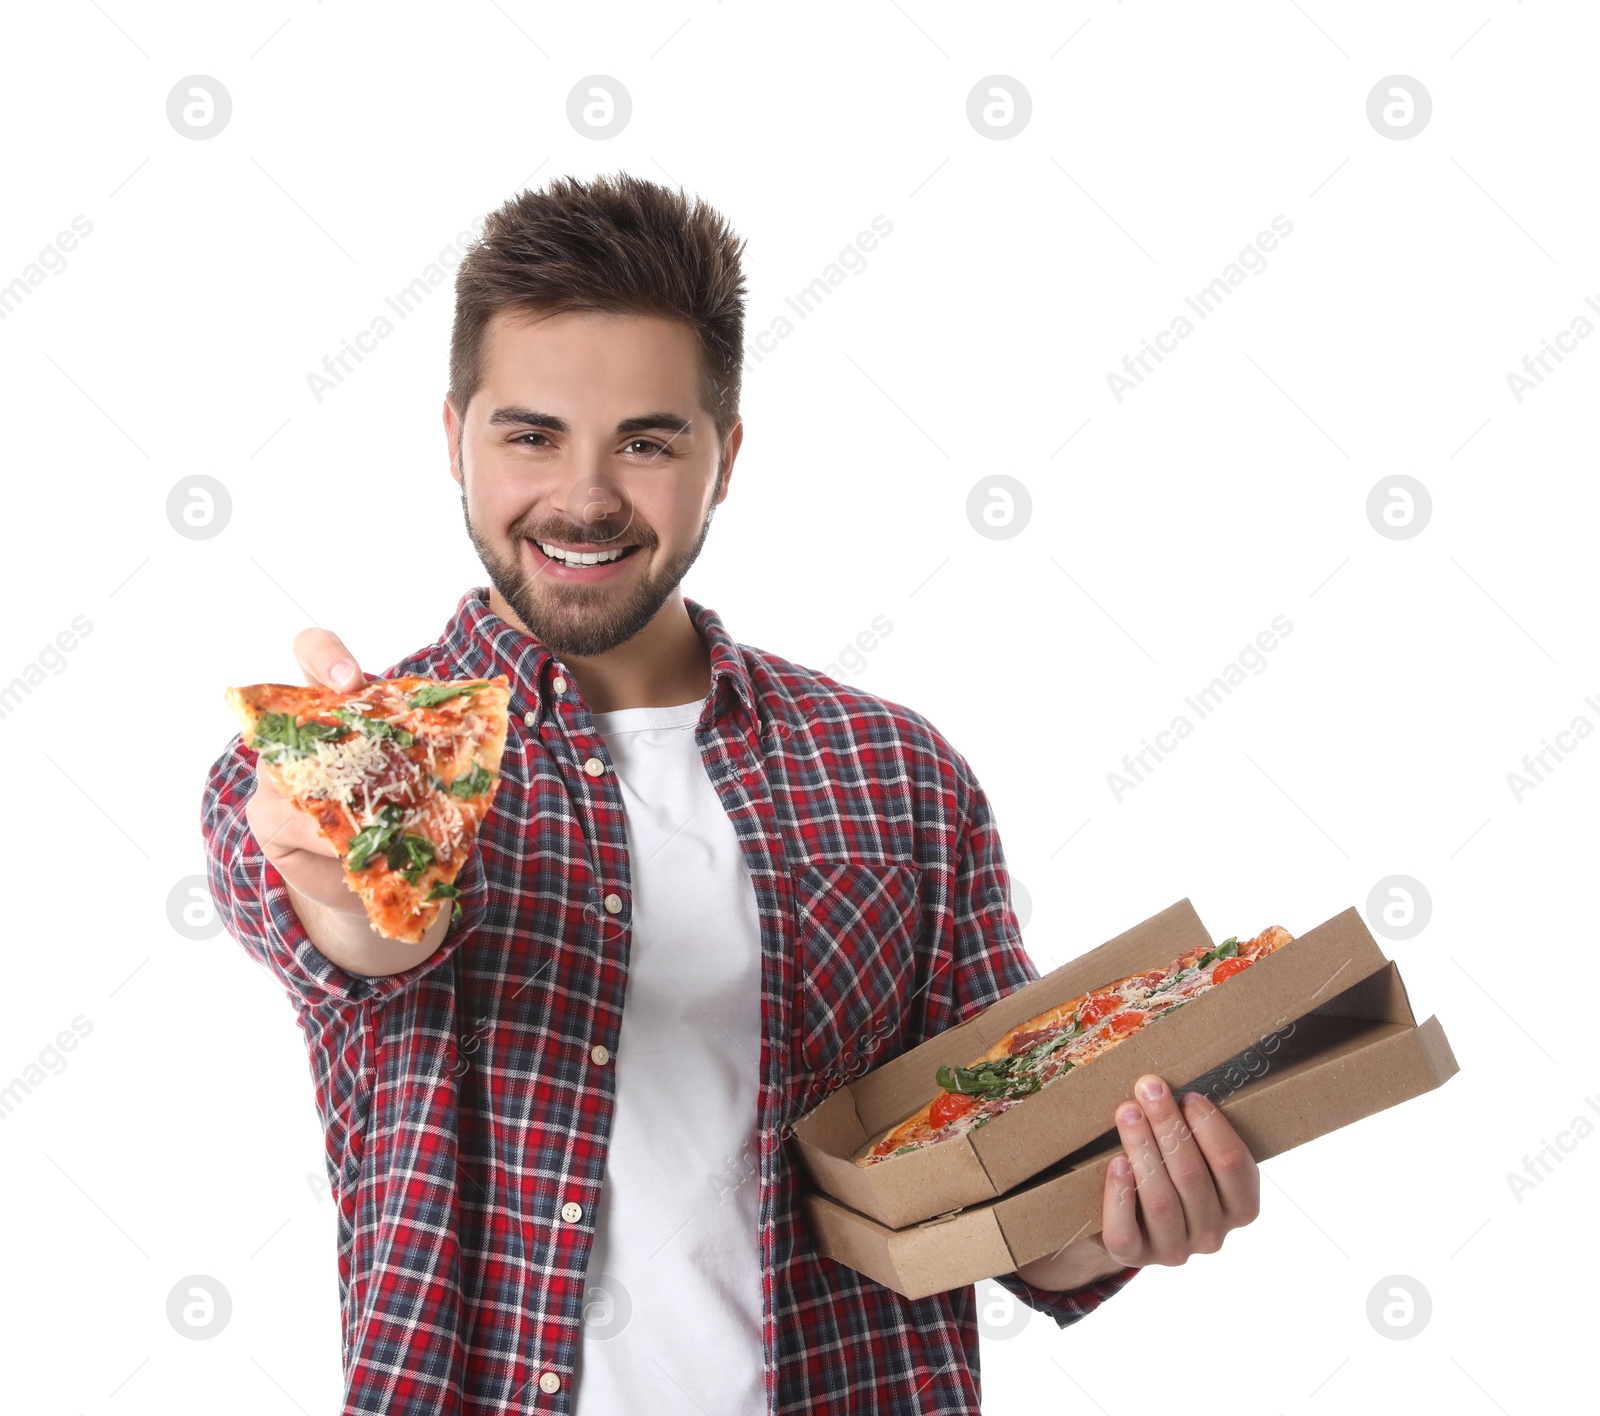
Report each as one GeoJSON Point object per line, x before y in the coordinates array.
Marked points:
{"type": "Point", "coordinates": [673, 1291]}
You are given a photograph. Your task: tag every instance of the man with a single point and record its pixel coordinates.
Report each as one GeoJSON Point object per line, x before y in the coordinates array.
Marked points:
{"type": "Point", "coordinates": [711, 883]}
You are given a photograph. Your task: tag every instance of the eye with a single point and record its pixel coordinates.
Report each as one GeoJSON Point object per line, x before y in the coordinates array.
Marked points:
{"type": "Point", "coordinates": [653, 448]}
{"type": "Point", "coordinates": [656, 449]}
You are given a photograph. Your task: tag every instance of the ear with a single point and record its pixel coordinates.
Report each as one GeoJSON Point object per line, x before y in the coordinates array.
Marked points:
{"type": "Point", "coordinates": [452, 435]}
{"type": "Point", "coordinates": [729, 452]}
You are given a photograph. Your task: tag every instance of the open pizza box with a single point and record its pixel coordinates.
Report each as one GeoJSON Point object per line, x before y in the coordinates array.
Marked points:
{"type": "Point", "coordinates": [1356, 1054]}
{"type": "Point", "coordinates": [1062, 1118]}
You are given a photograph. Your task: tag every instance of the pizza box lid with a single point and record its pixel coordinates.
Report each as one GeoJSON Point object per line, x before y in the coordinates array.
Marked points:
{"type": "Point", "coordinates": [1357, 1054]}
{"type": "Point", "coordinates": [1019, 1143]}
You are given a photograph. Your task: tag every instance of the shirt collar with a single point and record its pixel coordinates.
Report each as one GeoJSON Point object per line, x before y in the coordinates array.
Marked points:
{"type": "Point", "coordinates": [484, 645]}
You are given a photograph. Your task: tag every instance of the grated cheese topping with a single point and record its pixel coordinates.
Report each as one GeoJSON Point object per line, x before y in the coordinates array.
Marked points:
{"type": "Point", "coordinates": [360, 772]}
{"type": "Point", "coordinates": [338, 771]}
{"type": "Point", "coordinates": [439, 819]}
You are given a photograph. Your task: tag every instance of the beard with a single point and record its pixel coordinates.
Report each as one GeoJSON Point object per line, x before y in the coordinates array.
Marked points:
{"type": "Point", "coordinates": [582, 621]}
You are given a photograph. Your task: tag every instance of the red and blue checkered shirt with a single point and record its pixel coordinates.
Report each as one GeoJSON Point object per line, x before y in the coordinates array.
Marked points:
{"type": "Point", "coordinates": [466, 1100]}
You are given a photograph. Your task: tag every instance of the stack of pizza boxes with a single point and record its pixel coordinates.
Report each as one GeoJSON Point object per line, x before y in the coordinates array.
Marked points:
{"type": "Point", "coordinates": [1313, 1036]}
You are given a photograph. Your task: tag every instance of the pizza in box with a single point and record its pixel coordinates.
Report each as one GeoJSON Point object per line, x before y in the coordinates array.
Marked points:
{"type": "Point", "coordinates": [1042, 1050]}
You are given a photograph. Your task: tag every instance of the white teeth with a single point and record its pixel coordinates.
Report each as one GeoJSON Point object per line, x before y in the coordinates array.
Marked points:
{"type": "Point", "coordinates": [586, 558]}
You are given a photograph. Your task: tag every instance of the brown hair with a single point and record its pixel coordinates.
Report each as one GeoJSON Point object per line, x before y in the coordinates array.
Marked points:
{"type": "Point", "coordinates": [617, 244]}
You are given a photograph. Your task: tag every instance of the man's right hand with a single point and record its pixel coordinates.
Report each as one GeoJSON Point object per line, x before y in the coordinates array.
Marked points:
{"type": "Point", "coordinates": [289, 838]}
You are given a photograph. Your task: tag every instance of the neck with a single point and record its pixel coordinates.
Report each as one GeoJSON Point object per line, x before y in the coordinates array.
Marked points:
{"type": "Point", "coordinates": [665, 663]}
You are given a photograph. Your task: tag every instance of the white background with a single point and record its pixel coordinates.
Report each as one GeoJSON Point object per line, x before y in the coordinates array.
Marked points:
{"type": "Point", "coordinates": [1167, 530]}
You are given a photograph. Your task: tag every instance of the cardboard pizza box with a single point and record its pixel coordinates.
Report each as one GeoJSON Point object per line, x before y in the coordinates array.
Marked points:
{"type": "Point", "coordinates": [1016, 1145]}
{"type": "Point", "coordinates": [1356, 1054]}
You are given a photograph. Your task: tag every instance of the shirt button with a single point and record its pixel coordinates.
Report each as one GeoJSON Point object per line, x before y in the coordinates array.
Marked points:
{"type": "Point", "coordinates": [559, 684]}
{"type": "Point", "coordinates": [600, 1053]}
{"type": "Point", "coordinates": [530, 717]}
{"type": "Point", "coordinates": [613, 903]}
{"type": "Point", "coordinates": [571, 1212]}
{"type": "Point", "coordinates": [594, 766]}
{"type": "Point", "coordinates": [549, 1381]}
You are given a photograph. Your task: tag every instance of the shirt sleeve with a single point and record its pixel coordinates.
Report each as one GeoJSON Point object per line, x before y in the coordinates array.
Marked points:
{"type": "Point", "coordinates": [252, 900]}
{"type": "Point", "coordinates": [986, 962]}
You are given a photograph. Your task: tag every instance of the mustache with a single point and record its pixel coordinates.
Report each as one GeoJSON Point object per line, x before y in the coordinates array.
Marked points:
{"type": "Point", "coordinates": [568, 537]}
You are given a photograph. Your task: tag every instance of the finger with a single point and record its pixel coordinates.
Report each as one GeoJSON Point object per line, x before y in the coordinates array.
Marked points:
{"type": "Point", "coordinates": [1158, 1201]}
{"type": "Point", "coordinates": [1233, 1168]}
{"type": "Point", "coordinates": [277, 821]}
{"type": "Point", "coordinates": [321, 879]}
{"type": "Point", "coordinates": [1186, 1166]}
{"type": "Point", "coordinates": [325, 661]}
{"type": "Point", "coordinates": [1119, 1223]}
{"type": "Point", "coordinates": [279, 827]}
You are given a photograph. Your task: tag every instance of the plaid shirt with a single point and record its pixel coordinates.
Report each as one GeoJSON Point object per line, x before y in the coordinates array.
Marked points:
{"type": "Point", "coordinates": [466, 1101]}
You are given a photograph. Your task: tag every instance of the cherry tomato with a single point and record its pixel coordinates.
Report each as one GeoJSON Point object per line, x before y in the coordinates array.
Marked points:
{"type": "Point", "coordinates": [1098, 1006]}
{"type": "Point", "coordinates": [1228, 968]}
{"type": "Point", "coordinates": [949, 1105]}
{"type": "Point", "coordinates": [1124, 1023]}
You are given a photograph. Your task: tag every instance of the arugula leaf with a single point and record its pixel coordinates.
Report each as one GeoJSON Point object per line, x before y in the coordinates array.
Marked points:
{"type": "Point", "coordinates": [406, 852]}
{"type": "Point", "coordinates": [471, 784]}
{"type": "Point", "coordinates": [984, 1079]}
{"type": "Point", "coordinates": [410, 854]}
{"type": "Point", "coordinates": [1013, 1076]}
{"type": "Point", "coordinates": [433, 693]}
{"type": "Point", "coordinates": [374, 727]}
{"type": "Point", "coordinates": [278, 736]}
{"type": "Point", "coordinates": [274, 728]}
{"type": "Point", "coordinates": [1172, 982]}
{"type": "Point", "coordinates": [1228, 949]}
{"type": "Point", "coordinates": [444, 890]}
{"type": "Point", "coordinates": [369, 840]}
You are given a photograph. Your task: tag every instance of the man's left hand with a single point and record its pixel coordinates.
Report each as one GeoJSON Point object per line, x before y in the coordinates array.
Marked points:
{"type": "Point", "coordinates": [1184, 1171]}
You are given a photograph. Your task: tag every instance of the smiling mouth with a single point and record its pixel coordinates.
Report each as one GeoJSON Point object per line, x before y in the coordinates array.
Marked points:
{"type": "Point", "coordinates": [605, 555]}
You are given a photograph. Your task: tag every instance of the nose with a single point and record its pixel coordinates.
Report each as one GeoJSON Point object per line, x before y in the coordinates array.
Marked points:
{"type": "Point", "coordinates": [594, 499]}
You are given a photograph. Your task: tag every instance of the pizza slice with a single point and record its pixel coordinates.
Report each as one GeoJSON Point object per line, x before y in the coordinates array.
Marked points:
{"type": "Point", "coordinates": [398, 775]}
{"type": "Point", "coordinates": [1035, 1053]}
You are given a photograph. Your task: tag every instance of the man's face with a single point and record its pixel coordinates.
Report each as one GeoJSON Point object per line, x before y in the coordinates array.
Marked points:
{"type": "Point", "coordinates": [588, 434]}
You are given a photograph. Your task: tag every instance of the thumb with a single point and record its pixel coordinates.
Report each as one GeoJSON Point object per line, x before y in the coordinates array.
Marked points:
{"type": "Point", "coordinates": [325, 660]}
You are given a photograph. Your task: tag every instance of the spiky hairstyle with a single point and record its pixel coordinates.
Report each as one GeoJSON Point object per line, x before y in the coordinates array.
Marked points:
{"type": "Point", "coordinates": [618, 244]}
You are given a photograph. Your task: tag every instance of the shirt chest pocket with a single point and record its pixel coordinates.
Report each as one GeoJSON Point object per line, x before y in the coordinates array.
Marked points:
{"type": "Point", "coordinates": [856, 927]}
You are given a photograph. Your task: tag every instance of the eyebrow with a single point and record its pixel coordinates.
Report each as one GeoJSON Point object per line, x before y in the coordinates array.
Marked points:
{"type": "Point", "coordinates": [662, 421]}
